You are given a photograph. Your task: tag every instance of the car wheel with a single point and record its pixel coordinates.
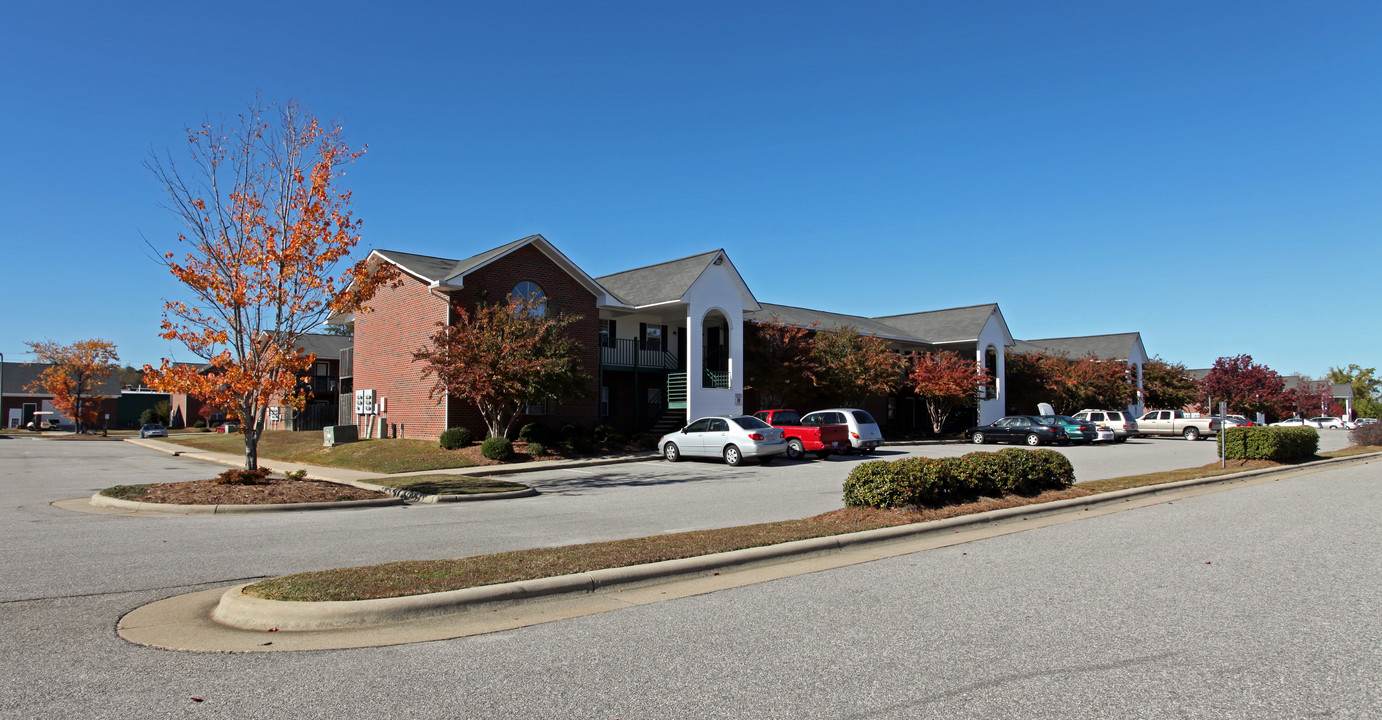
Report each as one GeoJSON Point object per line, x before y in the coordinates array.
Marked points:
{"type": "Point", "coordinates": [822, 454]}
{"type": "Point", "coordinates": [671, 452]}
{"type": "Point", "coordinates": [1033, 439]}
{"type": "Point", "coordinates": [795, 450]}
{"type": "Point", "coordinates": [1120, 438]}
{"type": "Point", "coordinates": [732, 456]}
{"type": "Point", "coordinates": [979, 439]}
{"type": "Point", "coordinates": [1192, 433]}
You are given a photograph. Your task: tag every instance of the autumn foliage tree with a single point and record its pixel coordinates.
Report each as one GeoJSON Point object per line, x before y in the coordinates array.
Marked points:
{"type": "Point", "coordinates": [265, 258]}
{"type": "Point", "coordinates": [779, 362]}
{"type": "Point", "coordinates": [1247, 387]}
{"type": "Point", "coordinates": [1069, 385]}
{"type": "Point", "coordinates": [852, 366]}
{"type": "Point", "coordinates": [1168, 385]}
{"type": "Point", "coordinates": [73, 375]}
{"type": "Point", "coordinates": [946, 381]}
{"type": "Point", "coordinates": [502, 357]}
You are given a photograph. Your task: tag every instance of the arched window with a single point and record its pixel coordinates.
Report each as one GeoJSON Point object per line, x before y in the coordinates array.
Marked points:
{"type": "Point", "coordinates": [530, 291]}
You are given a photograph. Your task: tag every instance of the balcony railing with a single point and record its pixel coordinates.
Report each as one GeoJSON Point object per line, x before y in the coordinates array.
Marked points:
{"type": "Point", "coordinates": [676, 391]}
{"type": "Point", "coordinates": [626, 353]}
{"type": "Point", "coordinates": [715, 379]}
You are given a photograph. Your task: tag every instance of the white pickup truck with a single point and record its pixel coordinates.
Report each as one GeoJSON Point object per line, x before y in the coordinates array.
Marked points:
{"type": "Point", "coordinates": [1174, 422]}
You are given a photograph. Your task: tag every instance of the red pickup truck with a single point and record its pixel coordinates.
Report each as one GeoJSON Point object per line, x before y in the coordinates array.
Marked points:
{"type": "Point", "coordinates": [801, 439]}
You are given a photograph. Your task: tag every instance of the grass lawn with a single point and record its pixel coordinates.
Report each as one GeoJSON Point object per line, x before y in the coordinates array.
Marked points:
{"type": "Point", "coordinates": [381, 456]}
{"type": "Point", "coordinates": [431, 576]}
{"type": "Point", "coordinates": [448, 484]}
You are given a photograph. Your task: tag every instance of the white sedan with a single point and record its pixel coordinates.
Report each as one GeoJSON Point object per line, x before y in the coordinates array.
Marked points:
{"type": "Point", "coordinates": [1329, 421]}
{"type": "Point", "coordinates": [730, 437]}
{"type": "Point", "coordinates": [1296, 422]}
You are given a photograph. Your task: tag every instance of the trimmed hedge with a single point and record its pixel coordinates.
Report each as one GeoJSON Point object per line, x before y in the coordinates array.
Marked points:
{"type": "Point", "coordinates": [1269, 443]}
{"type": "Point", "coordinates": [942, 481]}
{"type": "Point", "coordinates": [497, 448]}
{"type": "Point", "coordinates": [455, 438]}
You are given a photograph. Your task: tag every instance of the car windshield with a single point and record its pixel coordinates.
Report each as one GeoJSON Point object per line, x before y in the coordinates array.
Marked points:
{"type": "Point", "coordinates": [750, 423]}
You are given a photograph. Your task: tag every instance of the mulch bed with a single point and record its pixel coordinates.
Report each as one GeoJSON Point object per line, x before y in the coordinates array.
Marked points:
{"type": "Point", "coordinates": [210, 492]}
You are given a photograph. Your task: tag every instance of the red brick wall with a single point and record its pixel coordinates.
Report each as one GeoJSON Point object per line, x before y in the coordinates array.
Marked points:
{"type": "Point", "coordinates": [493, 285]}
{"type": "Point", "coordinates": [402, 320]}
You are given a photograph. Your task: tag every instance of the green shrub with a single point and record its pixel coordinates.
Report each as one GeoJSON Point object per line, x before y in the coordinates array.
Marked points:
{"type": "Point", "coordinates": [535, 432]}
{"type": "Point", "coordinates": [1278, 444]}
{"type": "Point", "coordinates": [603, 432]}
{"type": "Point", "coordinates": [296, 475]}
{"type": "Point", "coordinates": [455, 438]}
{"type": "Point", "coordinates": [982, 473]}
{"type": "Point", "coordinates": [1053, 468]}
{"type": "Point", "coordinates": [497, 448]}
{"type": "Point", "coordinates": [871, 484]}
{"type": "Point", "coordinates": [1370, 434]}
{"type": "Point", "coordinates": [199, 424]}
{"type": "Point", "coordinates": [645, 441]}
{"type": "Point", "coordinates": [572, 431]}
{"type": "Point", "coordinates": [615, 441]}
{"type": "Point", "coordinates": [536, 448]}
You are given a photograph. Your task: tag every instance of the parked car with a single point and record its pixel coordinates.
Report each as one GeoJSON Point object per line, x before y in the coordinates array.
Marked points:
{"type": "Point", "coordinates": [153, 430]}
{"type": "Point", "coordinates": [1295, 422]}
{"type": "Point", "coordinates": [1120, 422]}
{"type": "Point", "coordinates": [1365, 421]}
{"type": "Point", "coordinates": [730, 437]}
{"type": "Point", "coordinates": [801, 439]}
{"type": "Point", "coordinates": [1329, 421]}
{"type": "Point", "coordinates": [1106, 434]}
{"type": "Point", "coordinates": [1079, 431]}
{"type": "Point", "coordinates": [1174, 422]}
{"type": "Point", "coordinates": [1030, 429]}
{"type": "Point", "coordinates": [1237, 421]}
{"type": "Point", "coordinates": [864, 434]}
{"type": "Point", "coordinates": [228, 427]}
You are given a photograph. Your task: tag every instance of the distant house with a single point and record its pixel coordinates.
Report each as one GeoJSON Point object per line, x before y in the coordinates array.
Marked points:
{"type": "Point", "coordinates": [19, 404]}
{"type": "Point", "coordinates": [1124, 347]}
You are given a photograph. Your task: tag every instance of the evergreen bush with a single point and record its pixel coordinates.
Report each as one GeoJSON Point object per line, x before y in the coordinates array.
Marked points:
{"type": "Point", "coordinates": [455, 438]}
{"type": "Point", "coordinates": [1279, 444]}
{"type": "Point", "coordinates": [497, 448]}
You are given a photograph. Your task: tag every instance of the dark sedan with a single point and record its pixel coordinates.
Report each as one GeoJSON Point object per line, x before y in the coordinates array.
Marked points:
{"type": "Point", "coordinates": [1028, 429]}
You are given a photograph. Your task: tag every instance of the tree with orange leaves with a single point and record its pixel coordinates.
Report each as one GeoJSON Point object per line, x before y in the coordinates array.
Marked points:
{"type": "Point", "coordinates": [73, 374]}
{"type": "Point", "coordinates": [267, 259]}
{"type": "Point", "coordinates": [945, 381]}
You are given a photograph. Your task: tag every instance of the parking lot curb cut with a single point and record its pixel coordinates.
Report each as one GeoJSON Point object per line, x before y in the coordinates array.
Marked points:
{"type": "Point", "coordinates": [238, 610]}
{"type": "Point", "coordinates": [100, 500]}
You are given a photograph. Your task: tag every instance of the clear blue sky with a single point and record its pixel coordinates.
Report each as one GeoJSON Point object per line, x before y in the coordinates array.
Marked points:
{"type": "Point", "coordinates": [1208, 174]}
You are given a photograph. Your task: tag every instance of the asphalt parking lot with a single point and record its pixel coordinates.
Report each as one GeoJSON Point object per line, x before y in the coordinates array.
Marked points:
{"type": "Point", "coordinates": [1117, 616]}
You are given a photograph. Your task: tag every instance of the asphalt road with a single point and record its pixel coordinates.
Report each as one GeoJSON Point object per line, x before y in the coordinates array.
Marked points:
{"type": "Point", "coordinates": [1254, 602]}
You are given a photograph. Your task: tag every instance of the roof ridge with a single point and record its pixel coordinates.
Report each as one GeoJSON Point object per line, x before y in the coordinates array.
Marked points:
{"type": "Point", "coordinates": [924, 312]}
{"type": "Point", "coordinates": [667, 262]}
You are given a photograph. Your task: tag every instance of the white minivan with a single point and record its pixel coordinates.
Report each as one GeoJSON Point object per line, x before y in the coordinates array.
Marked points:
{"type": "Point", "coordinates": [864, 434]}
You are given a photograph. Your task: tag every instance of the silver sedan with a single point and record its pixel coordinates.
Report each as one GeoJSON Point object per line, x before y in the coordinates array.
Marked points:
{"type": "Point", "coordinates": [730, 437]}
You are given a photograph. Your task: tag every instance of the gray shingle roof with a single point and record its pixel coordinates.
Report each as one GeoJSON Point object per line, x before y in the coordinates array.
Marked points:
{"type": "Point", "coordinates": [16, 377]}
{"type": "Point", "coordinates": [325, 346]}
{"type": "Point", "coordinates": [941, 326]}
{"type": "Point", "coordinates": [804, 317]}
{"type": "Point", "coordinates": [663, 282]}
{"type": "Point", "coordinates": [435, 269]}
{"type": "Point", "coordinates": [1118, 346]}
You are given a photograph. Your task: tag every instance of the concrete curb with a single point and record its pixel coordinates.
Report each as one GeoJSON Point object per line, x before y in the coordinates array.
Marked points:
{"type": "Point", "coordinates": [100, 500]}
{"type": "Point", "coordinates": [241, 611]}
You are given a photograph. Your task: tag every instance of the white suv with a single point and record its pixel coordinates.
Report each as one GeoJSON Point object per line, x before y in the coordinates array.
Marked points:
{"type": "Point", "coordinates": [1121, 422]}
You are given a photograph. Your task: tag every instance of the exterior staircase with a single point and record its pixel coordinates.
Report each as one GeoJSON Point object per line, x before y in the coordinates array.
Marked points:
{"type": "Point", "coordinates": [674, 419]}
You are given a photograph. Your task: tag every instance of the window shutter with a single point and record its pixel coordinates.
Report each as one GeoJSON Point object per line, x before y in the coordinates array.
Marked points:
{"type": "Point", "coordinates": [612, 335]}
{"type": "Point", "coordinates": [663, 339]}
{"type": "Point", "coordinates": [642, 336]}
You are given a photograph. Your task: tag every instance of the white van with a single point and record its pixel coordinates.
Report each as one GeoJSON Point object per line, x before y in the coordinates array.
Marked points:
{"type": "Point", "coordinates": [864, 434]}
